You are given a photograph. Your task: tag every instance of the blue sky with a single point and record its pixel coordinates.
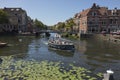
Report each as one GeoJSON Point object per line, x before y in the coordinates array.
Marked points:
{"type": "Point", "coordinates": [51, 12]}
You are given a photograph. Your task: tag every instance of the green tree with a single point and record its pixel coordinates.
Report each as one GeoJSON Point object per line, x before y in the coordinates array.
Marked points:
{"type": "Point", "coordinates": [69, 24]}
{"type": "Point", "coordinates": [3, 17]}
{"type": "Point", "coordinates": [39, 24]}
{"type": "Point", "coordinates": [60, 25]}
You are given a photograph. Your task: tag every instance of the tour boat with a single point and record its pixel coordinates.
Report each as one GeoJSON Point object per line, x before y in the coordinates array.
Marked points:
{"type": "Point", "coordinates": [60, 44]}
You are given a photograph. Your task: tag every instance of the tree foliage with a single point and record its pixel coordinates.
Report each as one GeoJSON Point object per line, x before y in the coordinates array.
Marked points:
{"type": "Point", "coordinates": [61, 25]}
{"type": "Point", "coordinates": [70, 23]}
{"type": "Point", "coordinates": [3, 17]}
{"type": "Point", "coordinates": [67, 25]}
{"type": "Point", "coordinates": [39, 24]}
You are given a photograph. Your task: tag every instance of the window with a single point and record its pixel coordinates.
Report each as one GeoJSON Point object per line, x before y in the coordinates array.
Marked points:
{"type": "Point", "coordinates": [105, 13]}
{"type": "Point", "coordinates": [16, 14]}
{"type": "Point", "coordinates": [94, 14]}
{"type": "Point", "coordinates": [12, 9]}
{"type": "Point", "coordinates": [19, 20]}
{"type": "Point", "coordinates": [114, 12]}
{"type": "Point", "coordinates": [103, 22]}
{"type": "Point", "coordinates": [111, 21]}
{"type": "Point", "coordinates": [117, 13]}
{"type": "Point", "coordinates": [17, 9]}
{"type": "Point", "coordinates": [90, 22]}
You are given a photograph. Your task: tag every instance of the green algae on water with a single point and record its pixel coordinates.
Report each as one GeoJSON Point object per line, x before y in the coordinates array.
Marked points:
{"type": "Point", "coordinates": [33, 70]}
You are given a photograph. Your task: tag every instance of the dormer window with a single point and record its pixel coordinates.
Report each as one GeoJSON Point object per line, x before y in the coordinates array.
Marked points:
{"type": "Point", "coordinates": [12, 9]}
{"type": "Point", "coordinates": [94, 14]}
{"type": "Point", "coordinates": [114, 12]}
{"type": "Point", "coordinates": [17, 9]}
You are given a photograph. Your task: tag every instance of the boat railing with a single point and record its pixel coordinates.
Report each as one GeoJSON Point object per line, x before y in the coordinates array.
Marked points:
{"type": "Point", "coordinates": [60, 42]}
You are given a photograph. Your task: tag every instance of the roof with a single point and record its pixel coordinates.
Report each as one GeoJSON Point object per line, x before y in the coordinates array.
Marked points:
{"type": "Point", "coordinates": [13, 9]}
{"type": "Point", "coordinates": [103, 10]}
{"type": "Point", "coordinates": [83, 13]}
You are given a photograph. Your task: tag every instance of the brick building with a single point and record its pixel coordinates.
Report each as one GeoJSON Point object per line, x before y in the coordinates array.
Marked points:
{"type": "Point", "coordinates": [97, 19]}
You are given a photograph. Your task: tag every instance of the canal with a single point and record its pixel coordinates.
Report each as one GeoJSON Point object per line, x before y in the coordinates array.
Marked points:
{"type": "Point", "coordinates": [93, 54]}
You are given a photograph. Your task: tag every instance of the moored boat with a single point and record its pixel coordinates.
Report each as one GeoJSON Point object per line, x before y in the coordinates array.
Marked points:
{"type": "Point", "coordinates": [60, 44]}
{"type": "Point", "coordinates": [2, 44]}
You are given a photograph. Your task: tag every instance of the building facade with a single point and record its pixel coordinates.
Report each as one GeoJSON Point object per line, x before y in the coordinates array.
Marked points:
{"type": "Point", "coordinates": [18, 20]}
{"type": "Point", "coordinates": [97, 19]}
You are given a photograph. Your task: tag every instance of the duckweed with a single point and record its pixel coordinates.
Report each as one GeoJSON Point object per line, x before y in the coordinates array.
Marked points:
{"type": "Point", "coordinates": [11, 69]}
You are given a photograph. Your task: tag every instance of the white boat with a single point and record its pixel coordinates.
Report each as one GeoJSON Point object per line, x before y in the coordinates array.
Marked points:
{"type": "Point", "coordinates": [3, 44]}
{"type": "Point", "coordinates": [60, 44]}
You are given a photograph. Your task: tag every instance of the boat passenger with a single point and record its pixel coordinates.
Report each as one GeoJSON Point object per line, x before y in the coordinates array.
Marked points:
{"type": "Point", "coordinates": [63, 42]}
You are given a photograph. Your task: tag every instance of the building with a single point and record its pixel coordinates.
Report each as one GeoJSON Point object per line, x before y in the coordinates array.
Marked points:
{"type": "Point", "coordinates": [97, 19]}
{"type": "Point", "coordinates": [18, 20]}
{"type": "Point", "coordinates": [30, 25]}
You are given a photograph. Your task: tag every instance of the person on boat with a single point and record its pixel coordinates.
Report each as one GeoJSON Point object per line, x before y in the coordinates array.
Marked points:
{"type": "Point", "coordinates": [63, 42]}
{"type": "Point", "coordinates": [57, 36]}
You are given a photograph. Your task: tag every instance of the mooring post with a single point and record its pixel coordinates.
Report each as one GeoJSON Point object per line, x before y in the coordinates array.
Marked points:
{"type": "Point", "coordinates": [109, 75]}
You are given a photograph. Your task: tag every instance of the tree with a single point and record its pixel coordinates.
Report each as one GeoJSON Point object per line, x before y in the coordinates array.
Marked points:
{"type": "Point", "coordinates": [39, 24]}
{"type": "Point", "coordinates": [60, 25]}
{"type": "Point", "coordinates": [3, 17]}
{"type": "Point", "coordinates": [69, 24]}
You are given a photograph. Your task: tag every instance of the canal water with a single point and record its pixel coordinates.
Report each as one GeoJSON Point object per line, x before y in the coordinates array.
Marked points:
{"type": "Point", "coordinates": [94, 54]}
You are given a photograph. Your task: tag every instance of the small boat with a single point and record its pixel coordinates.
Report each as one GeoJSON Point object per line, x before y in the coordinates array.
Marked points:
{"type": "Point", "coordinates": [3, 44]}
{"type": "Point", "coordinates": [60, 44]}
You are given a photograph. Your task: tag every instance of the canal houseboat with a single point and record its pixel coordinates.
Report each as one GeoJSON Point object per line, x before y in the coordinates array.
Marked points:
{"type": "Point", "coordinates": [61, 44]}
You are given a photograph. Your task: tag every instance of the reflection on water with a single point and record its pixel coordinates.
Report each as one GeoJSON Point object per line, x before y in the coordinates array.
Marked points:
{"type": "Point", "coordinates": [94, 54]}
{"type": "Point", "coordinates": [62, 53]}
{"type": "Point", "coordinates": [81, 46]}
{"type": "Point", "coordinates": [16, 46]}
{"type": "Point", "coordinates": [102, 55]}
{"type": "Point", "coordinates": [102, 51]}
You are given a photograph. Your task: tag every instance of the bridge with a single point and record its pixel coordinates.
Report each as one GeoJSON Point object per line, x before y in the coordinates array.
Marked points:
{"type": "Point", "coordinates": [37, 33]}
{"type": "Point", "coordinates": [47, 31]}
{"type": "Point", "coordinates": [53, 31]}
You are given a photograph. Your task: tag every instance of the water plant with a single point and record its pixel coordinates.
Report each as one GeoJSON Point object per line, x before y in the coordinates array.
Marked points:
{"type": "Point", "coordinates": [12, 69]}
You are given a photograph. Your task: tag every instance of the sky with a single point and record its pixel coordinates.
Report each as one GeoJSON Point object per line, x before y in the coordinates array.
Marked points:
{"type": "Point", "coordinates": [51, 12]}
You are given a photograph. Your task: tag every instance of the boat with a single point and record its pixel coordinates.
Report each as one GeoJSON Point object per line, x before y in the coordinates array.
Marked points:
{"type": "Point", "coordinates": [61, 44]}
{"type": "Point", "coordinates": [2, 44]}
